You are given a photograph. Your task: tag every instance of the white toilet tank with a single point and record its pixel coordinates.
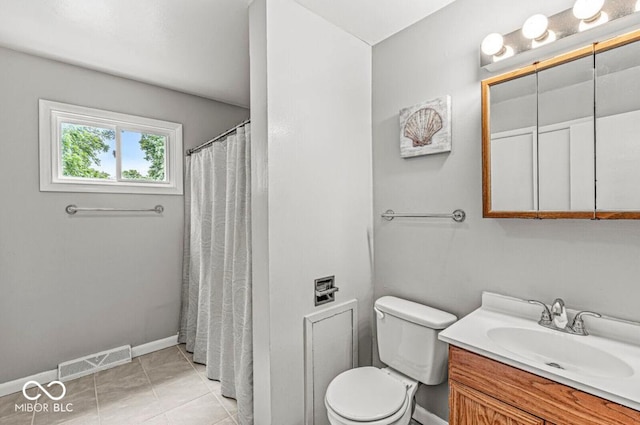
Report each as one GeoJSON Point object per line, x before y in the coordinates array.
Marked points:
{"type": "Point", "coordinates": [408, 338]}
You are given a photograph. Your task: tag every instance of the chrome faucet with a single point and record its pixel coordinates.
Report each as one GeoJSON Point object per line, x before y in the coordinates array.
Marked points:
{"type": "Point", "coordinates": [556, 318]}
{"type": "Point", "coordinates": [559, 314]}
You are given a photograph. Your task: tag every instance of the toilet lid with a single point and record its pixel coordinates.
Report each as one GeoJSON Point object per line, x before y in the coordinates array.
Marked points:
{"type": "Point", "coordinates": [365, 394]}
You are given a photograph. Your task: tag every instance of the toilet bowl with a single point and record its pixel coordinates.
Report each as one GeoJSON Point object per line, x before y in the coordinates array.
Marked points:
{"type": "Point", "coordinates": [408, 343]}
{"type": "Point", "coordinates": [371, 396]}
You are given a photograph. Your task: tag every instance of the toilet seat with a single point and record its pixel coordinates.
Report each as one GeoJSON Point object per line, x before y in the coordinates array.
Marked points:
{"type": "Point", "coordinates": [366, 394]}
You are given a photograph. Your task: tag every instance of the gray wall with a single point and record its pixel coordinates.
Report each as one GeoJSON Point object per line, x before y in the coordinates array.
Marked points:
{"type": "Point", "coordinates": [72, 286]}
{"type": "Point", "coordinates": [591, 264]}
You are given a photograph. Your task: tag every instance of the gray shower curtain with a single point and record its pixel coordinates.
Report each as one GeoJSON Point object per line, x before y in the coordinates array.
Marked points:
{"type": "Point", "coordinates": [215, 320]}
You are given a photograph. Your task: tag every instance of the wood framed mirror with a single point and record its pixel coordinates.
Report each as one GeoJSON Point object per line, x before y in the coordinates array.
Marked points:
{"type": "Point", "coordinates": [561, 137]}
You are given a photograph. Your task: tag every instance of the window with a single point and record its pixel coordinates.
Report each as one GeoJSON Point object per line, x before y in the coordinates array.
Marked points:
{"type": "Point", "coordinates": [90, 150]}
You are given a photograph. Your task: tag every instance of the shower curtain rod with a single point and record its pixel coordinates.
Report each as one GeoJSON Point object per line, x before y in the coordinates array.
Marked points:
{"type": "Point", "coordinates": [217, 138]}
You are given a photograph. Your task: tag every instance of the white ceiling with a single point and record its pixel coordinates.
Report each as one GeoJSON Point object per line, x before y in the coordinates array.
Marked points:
{"type": "Point", "coordinates": [195, 46]}
{"type": "Point", "coordinates": [374, 20]}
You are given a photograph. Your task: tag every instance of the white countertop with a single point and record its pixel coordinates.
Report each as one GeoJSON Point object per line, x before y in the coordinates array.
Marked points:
{"type": "Point", "coordinates": [613, 336]}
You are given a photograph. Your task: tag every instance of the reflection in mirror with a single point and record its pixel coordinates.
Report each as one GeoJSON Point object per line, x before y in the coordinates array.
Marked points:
{"type": "Point", "coordinates": [513, 107]}
{"type": "Point", "coordinates": [618, 128]}
{"type": "Point", "coordinates": [565, 137]}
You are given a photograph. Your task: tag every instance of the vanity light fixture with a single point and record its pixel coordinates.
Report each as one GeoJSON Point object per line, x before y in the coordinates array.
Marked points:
{"type": "Point", "coordinates": [590, 13]}
{"type": "Point", "coordinates": [493, 45]}
{"type": "Point", "coordinates": [536, 29]}
{"type": "Point", "coordinates": [543, 36]}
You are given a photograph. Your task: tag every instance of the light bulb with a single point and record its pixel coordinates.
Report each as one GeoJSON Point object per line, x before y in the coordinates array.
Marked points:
{"type": "Point", "coordinates": [508, 52]}
{"type": "Point", "coordinates": [587, 10]}
{"type": "Point", "coordinates": [535, 28]}
{"type": "Point", "coordinates": [493, 44]}
{"type": "Point", "coordinates": [550, 37]}
{"type": "Point", "coordinates": [601, 19]}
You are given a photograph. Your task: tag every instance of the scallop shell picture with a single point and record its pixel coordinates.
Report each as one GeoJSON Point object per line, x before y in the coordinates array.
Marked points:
{"type": "Point", "coordinates": [426, 128]}
{"type": "Point", "coordinates": [422, 125]}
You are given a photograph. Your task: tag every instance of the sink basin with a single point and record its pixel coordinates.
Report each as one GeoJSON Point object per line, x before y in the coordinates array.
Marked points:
{"type": "Point", "coordinates": [505, 329]}
{"type": "Point", "coordinates": [560, 351]}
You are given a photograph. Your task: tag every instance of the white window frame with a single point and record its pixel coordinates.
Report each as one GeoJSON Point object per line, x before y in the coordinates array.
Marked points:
{"type": "Point", "coordinates": [52, 114]}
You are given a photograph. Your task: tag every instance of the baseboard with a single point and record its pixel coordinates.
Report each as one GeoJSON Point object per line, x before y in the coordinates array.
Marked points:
{"type": "Point", "coordinates": [425, 417]}
{"type": "Point", "coordinates": [150, 347]}
{"type": "Point", "coordinates": [16, 385]}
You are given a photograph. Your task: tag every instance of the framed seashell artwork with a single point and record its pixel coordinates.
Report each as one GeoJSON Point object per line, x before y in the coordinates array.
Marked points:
{"type": "Point", "coordinates": [425, 128]}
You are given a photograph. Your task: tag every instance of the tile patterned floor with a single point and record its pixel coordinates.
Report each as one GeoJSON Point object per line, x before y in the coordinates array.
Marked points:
{"type": "Point", "coordinates": [160, 388]}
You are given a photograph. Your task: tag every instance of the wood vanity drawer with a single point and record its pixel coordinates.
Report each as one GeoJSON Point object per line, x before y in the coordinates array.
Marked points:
{"type": "Point", "coordinates": [555, 403]}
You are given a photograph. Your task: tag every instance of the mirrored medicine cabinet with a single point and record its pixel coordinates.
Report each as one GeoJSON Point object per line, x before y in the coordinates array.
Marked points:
{"type": "Point", "coordinates": [561, 138]}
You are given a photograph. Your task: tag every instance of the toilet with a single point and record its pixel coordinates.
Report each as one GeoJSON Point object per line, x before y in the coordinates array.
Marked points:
{"type": "Point", "coordinates": [408, 344]}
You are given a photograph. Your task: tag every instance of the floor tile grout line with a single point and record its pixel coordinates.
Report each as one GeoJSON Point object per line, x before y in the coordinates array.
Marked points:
{"type": "Point", "coordinates": [33, 418]}
{"type": "Point", "coordinates": [205, 379]}
{"type": "Point", "coordinates": [158, 397]}
{"type": "Point", "coordinates": [157, 416]}
{"type": "Point", "coordinates": [95, 390]}
{"type": "Point", "coordinates": [187, 359]}
{"type": "Point", "coordinates": [222, 420]}
{"type": "Point", "coordinates": [150, 384]}
{"type": "Point", "coordinates": [222, 404]}
{"type": "Point", "coordinates": [182, 405]}
{"type": "Point", "coordinates": [202, 378]}
{"type": "Point", "coordinates": [188, 401]}
{"type": "Point", "coordinates": [137, 359]}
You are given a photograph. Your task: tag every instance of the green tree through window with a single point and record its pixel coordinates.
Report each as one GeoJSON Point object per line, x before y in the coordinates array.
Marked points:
{"type": "Point", "coordinates": [81, 148]}
{"type": "Point", "coordinates": [153, 147]}
{"type": "Point", "coordinates": [132, 175]}
{"type": "Point", "coordinates": [92, 150]}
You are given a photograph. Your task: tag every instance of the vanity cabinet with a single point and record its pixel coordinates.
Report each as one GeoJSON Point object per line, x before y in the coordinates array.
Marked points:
{"type": "Point", "coordinates": [487, 392]}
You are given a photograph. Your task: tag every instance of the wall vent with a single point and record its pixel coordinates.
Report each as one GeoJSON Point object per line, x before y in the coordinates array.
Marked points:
{"type": "Point", "coordinates": [93, 363]}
